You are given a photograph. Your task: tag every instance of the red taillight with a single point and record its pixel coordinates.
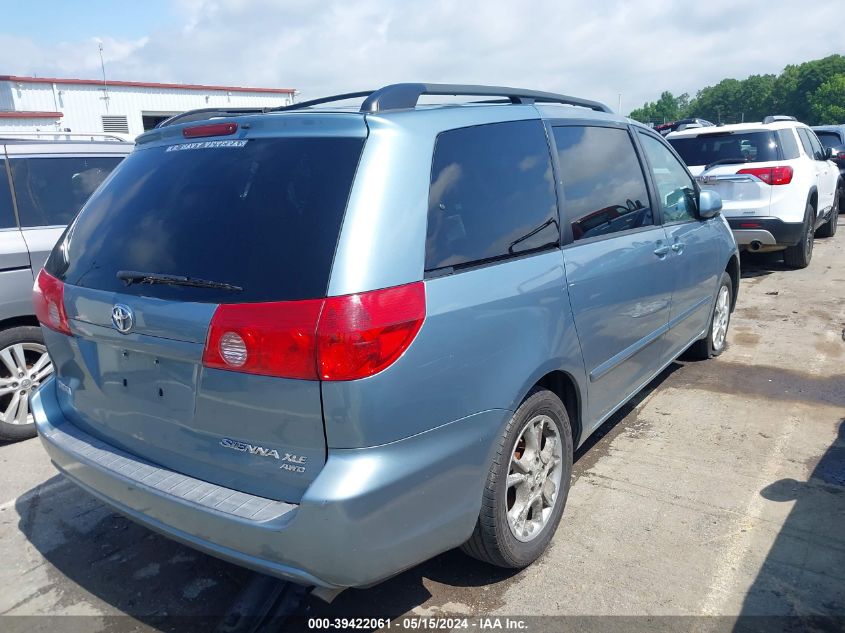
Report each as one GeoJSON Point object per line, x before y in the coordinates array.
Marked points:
{"type": "Point", "coordinates": [780, 175]}
{"type": "Point", "coordinates": [48, 295]}
{"type": "Point", "coordinates": [212, 129]}
{"type": "Point", "coordinates": [360, 335]}
{"type": "Point", "coordinates": [272, 339]}
{"type": "Point", "coordinates": [339, 338]}
{"type": "Point", "coordinates": [840, 156]}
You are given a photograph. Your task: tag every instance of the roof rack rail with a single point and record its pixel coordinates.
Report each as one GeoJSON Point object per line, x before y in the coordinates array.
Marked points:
{"type": "Point", "coordinates": [774, 118]}
{"type": "Point", "coordinates": [399, 96]}
{"type": "Point", "coordinates": [322, 100]}
{"type": "Point", "coordinates": [405, 96]}
{"type": "Point", "coordinates": [63, 136]}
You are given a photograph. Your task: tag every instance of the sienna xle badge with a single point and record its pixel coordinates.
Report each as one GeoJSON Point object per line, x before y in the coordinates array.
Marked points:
{"type": "Point", "coordinates": [330, 343]}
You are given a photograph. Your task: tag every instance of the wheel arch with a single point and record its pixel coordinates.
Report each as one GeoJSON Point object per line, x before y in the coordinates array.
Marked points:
{"type": "Point", "coordinates": [733, 272]}
{"type": "Point", "coordinates": [18, 321]}
{"type": "Point", "coordinates": [564, 386]}
{"type": "Point", "coordinates": [813, 197]}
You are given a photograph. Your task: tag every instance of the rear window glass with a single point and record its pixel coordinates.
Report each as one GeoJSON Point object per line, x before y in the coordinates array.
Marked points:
{"type": "Point", "coordinates": [829, 139]}
{"type": "Point", "coordinates": [788, 144]}
{"type": "Point", "coordinates": [492, 195]}
{"type": "Point", "coordinates": [50, 191]}
{"type": "Point", "coordinates": [7, 213]}
{"type": "Point", "coordinates": [262, 214]}
{"type": "Point", "coordinates": [704, 149]}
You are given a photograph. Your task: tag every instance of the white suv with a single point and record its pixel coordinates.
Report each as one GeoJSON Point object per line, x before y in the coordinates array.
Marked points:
{"type": "Point", "coordinates": [778, 187]}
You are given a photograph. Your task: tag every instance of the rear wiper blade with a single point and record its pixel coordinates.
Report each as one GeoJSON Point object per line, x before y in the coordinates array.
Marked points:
{"type": "Point", "coordinates": [726, 161]}
{"type": "Point", "coordinates": [133, 276]}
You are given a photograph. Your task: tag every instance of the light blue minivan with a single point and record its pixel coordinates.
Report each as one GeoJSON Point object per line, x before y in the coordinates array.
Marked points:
{"type": "Point", "coordinates": [328, 343]}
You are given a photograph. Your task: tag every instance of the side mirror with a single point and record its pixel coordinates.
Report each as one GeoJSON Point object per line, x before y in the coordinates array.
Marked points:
{"type": "Point", "coordinates": [709, 204]}
{"type": "Point", "coordinates": [827, 153]}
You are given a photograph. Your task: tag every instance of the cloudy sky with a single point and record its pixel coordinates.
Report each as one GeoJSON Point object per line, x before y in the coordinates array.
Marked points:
{"type": "Point", "coordinates": [594, 49]}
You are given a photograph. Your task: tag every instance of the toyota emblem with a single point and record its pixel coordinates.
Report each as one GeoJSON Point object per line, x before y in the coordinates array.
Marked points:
{"type": "Point", "coordinates": [123, 318]}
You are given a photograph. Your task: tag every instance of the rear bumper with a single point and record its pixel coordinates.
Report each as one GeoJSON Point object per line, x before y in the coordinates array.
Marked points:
{"type": "Point", "coordinates": [767, 231]}
{"type": "Point", "coordinates": [370, 513]}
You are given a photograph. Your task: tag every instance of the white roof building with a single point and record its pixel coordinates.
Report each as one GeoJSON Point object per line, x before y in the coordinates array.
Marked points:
{"type": "Point", "coordinates": [127, 108]}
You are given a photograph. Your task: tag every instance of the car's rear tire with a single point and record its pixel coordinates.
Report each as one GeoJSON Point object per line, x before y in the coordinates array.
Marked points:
{"type": "Point", "coordinates": [800, 254]}
{"type": "Point", "coordinates": [24, 364]}
{"type": "Point", "coordinates": [527, 484]}
{"type": "Point", "coordinates": [716, 340]}
{"type": "Point", "coordinates": [828, 229]}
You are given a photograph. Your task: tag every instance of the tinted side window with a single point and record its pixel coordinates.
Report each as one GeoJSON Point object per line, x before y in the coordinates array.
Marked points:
{"type": "Point", "coordinates": [805, 141]}
{"type": "Point", "coordinates": [674, 185]}
{"type": "Point", "coordinates": [492, 194]}
{"type": "Point", "coordinates": [50, 191]}
{"type": "Point", "coordinates": [603, 182]}
{"type": "Point", "coordinates": [7, 213]}
{"type": "Point", "coordinates": [788, 144]}
{"type": "Point", "coordinates": [817, 147]}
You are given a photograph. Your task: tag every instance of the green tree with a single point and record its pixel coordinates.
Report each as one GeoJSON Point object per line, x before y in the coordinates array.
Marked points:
{"type": "Point", "coordinates": [810, 91]}
{"type": "Point", "coordinates": [796, 85]}
{"type": "Point", "coordinates": [756, 97]}
{"type": "Point", "coordinates": [721, 103]}
{"type": "Point", "coordinates": [666, 108]}
{"type": "Point", "coordinates": [827, 104]}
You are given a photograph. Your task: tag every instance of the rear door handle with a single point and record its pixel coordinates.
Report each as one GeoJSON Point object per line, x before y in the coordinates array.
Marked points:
{"type": "Point", "coordinates": [678, 247]}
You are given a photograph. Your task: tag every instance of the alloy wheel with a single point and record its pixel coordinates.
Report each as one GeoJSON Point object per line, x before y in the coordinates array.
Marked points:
{"type": "Point", "coordinates": [23, 367]}
{"type": "Point", "coordinates": [720, 318]}
{"type": "Point", "coordinates": [534, 478]}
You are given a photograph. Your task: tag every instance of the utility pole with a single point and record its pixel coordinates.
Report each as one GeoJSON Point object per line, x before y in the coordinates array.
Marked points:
{"type": "Point", "coordinates": [619, 104]}
{"type": "Point", "coordinates": [105, 96]}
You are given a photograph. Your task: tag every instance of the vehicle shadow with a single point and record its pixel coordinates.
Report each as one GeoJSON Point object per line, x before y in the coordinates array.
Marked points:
{"type": "Point", "coordinates": [801, 584]}
{"type": "Point", "coordinates": [100, 561]}
{"type": "Point", "coordinates": [760, 264]}
{"type": "Point", "coordinates": [98, 557]}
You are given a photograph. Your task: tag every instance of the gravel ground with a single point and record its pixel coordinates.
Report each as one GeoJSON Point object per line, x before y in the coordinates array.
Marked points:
{"type": "Point", "coordinates": [717, 491]}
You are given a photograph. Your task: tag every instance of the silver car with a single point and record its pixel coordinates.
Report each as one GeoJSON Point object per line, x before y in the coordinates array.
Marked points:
{"type": "Point", "coordinates": [44, 180]}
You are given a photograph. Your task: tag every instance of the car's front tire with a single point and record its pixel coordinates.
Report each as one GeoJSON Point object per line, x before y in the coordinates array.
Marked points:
{"type": "Point", "coordinates": [527, 484]}
{"type": "Point", "coordinates": [24, 364]}
{"type": "Point", "coordinates": [800, 254]}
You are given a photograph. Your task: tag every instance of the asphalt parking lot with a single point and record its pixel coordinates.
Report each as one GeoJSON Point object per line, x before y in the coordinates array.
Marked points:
{"type": "Point", "coordinates": [720, 490]}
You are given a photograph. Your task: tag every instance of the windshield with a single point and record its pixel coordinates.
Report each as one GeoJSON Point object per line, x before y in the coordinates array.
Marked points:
{"type": "Point", "coordinates": [261, 214]}
{"type": "Point", "coordinates": [704, 149]}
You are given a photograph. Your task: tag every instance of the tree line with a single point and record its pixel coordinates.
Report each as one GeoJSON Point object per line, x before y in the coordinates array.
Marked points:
{"type": "Point", "coordinates": [812, 92]}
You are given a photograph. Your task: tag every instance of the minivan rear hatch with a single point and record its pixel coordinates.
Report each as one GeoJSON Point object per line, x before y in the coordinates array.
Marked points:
{"type": "Point", "coordinates": [250, 218]}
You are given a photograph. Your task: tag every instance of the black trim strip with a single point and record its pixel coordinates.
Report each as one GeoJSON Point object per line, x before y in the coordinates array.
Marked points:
{"type": "Point", "coordinates": [12, 269]}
